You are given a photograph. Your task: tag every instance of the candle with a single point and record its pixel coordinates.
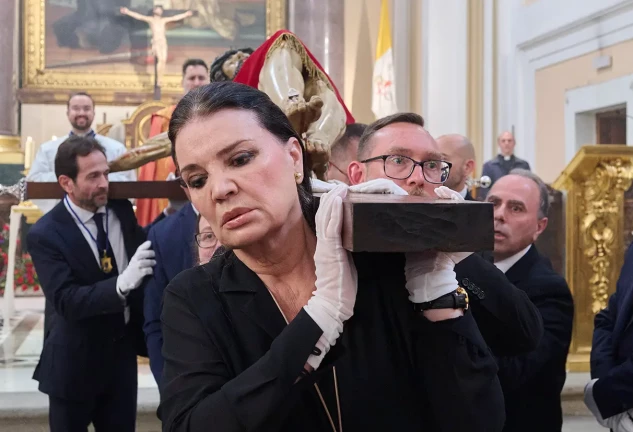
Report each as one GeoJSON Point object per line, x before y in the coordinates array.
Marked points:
{"type": "Point", "coordinates": [28, 152]}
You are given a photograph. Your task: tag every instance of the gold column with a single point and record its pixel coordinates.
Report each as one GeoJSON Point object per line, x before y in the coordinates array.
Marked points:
{"type": "Point", "coordinates": [595, 182]}
{"type": "Point", "coordinates": [475, 77]}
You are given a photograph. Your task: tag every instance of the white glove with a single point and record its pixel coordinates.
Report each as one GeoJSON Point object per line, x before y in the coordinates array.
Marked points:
{"type": "Point", "coordinates": [332, 303]}
{"type": "Point", "coordinates": [625, 424]}
{"type": "Point", "coordinates": [378, 186]}
{"type": "Point", "coordinates": [444, 192]}
{"type": "Point", "coordinates": [140, 265]}
{"type": "Point", "coordinates": [319, 186]}
{"type": "Point", "coordinates": [429, 275]}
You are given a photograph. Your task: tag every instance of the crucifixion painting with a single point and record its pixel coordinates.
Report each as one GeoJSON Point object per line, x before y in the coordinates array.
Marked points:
{"type": "Point", "coordinates": [157, 24]}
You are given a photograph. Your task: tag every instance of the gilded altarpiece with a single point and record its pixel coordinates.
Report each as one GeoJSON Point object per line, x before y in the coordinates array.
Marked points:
{"type": "Point", "coordinates": [595, 183]}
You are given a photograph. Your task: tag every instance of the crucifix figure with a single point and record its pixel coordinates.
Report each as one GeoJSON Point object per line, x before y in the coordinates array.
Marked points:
{"type": "Point", "coordinates": [157, 25]}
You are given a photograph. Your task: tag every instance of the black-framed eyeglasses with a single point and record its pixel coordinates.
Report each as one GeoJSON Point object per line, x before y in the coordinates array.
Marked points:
{"type": "Point", "coordinates": [206, 240]}
{"type": "Point", "coordinates": [400, 167]}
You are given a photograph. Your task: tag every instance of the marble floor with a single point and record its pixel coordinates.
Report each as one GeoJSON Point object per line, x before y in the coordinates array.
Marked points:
{"type": "Point", "coordinates": [20, 346]}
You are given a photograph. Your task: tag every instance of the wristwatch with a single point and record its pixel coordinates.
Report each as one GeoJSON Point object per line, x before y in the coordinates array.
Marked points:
{"type": "Point", "coordinates": [457, 299]}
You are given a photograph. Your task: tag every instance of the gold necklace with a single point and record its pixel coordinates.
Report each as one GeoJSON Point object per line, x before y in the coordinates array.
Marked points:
{"type": "Point", "coordinates": [338, 403]}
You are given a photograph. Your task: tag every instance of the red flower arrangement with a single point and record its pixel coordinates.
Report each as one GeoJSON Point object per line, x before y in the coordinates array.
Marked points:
{"type": "Point", "coordinates": [25, 278]}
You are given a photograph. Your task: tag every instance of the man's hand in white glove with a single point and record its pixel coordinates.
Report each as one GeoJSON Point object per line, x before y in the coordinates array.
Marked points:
{"type": "Point", "coordinates": [624, 424]}
{"type": "Point", "coordinates": [332, 303]}
{"type": "Point", "coordinates": [378, 186]}
{"type": "Point", "coordinates": [430, 275]}
{"type": "Point", "coordinates": [444, 192]}
{"type": "Point", "coordinates": [320, 186]}
{"type": "Point", "coordinates": [140, 265]}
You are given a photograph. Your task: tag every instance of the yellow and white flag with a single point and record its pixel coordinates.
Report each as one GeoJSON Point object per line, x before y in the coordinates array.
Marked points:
{"type": "Point", "coordinates": [383, 89]}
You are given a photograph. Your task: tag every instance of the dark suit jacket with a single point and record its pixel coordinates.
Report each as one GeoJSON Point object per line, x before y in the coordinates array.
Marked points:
{"type": "Point", "coordinates": [88, 327]}
{"type": "Point", "coordinates": [612, 350]}
{"type": "Point", "coordinates": [172, 240]}
{"type": "Point", "coordinates": [497, 168]}
{"type": "Point", "coordinates": [532, 383]}
{"type": "Point", "coordinates": [48, 309]}
{"type": "Point", "coordinates": [508, 320]}
{"type": "Point", "coordinates": [232, 362]}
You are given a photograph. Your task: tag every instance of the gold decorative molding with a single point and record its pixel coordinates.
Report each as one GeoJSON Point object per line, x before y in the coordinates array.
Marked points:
{"type": "Point", "coordinates": [595, 182]}
{"type": "Point", "coordinates": [53, 86]}
{"type": "Point", "coordinates": [139, 121]}
{"type": "Point", "coordinates": [475, 76]}
{"type": "Point", "coordinates": [10, 150]}
{"type": "Point", "coordinates": [29, 210]}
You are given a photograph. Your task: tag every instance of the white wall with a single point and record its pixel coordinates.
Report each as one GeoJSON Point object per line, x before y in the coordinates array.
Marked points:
{"type": "Point", "coordinates": [582, 104]}
{"type": "Point", "coordinates": [444, 98]}
{"type": "Point", "coordinates": [541, 34]}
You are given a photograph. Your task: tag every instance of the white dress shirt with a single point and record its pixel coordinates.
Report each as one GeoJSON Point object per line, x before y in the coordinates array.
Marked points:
{"type": "Point", "coordinates": [505, 264]}
{"type": "Point", "coordinates": [113, 230]}
{"type": "Point", "coordinates": [464, 192]}
{"type": "Point", "coordinates": [43, 166]}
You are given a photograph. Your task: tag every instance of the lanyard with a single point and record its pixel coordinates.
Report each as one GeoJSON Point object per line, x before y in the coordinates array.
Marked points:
{"type": "Point", "coordinates": [86, 228]}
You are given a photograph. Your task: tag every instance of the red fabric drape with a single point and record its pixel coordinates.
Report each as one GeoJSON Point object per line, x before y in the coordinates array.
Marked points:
{"type": "Point", "coordinates": [249, 73]}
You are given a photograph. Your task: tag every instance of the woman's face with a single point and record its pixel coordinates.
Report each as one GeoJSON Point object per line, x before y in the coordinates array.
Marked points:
{"type": "Point", "coordinates": [240, 177]}
{"type": "Point", "coordinates": [205, 254]}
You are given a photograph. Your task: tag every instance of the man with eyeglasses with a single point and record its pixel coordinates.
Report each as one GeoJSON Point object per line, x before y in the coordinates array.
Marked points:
{"type": "Point", "coordinates": [398, 148]}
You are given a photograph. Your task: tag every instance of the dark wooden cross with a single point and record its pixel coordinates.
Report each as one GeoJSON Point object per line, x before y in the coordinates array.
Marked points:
{"type": "Point", "coordinates": [373, 223]}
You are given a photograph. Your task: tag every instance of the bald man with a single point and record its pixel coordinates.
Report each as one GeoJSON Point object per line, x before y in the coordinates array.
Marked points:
{"type": "Point", "coordinates": [459, 151]}
{"type": "Point", "coordinates": [505, 162]}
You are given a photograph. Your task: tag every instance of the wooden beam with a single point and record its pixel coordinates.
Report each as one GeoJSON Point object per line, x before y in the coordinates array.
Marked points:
{"type": "Point", "coordinates": [391, 223]}
{"type": "Point", "coordinates": [373, 223]}
{"type": "Point", "coordinates": [118, 190]}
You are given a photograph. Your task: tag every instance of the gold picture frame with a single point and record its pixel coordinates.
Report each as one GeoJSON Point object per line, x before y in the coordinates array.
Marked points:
{"type": "Point", "coordinates": [42, 85]}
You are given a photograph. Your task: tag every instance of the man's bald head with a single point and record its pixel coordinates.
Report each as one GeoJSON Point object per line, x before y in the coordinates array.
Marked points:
{"type": "Point", "coordinates": [459, 151]}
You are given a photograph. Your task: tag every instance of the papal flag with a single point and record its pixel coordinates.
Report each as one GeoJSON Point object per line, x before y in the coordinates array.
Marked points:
{"type": "Point", "coordinates": [384, 92]}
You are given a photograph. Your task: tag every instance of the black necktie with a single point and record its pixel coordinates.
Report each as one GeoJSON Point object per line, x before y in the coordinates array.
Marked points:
{"type": "Point", "coordinates": [103, 243]}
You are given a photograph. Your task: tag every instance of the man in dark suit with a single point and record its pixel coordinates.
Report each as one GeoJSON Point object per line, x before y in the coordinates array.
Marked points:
{"type": "Point", "coordinates": [173, 241]}
{"type": "Point", "coordinates": [505, 162]}
{"type": "Point", "coordinates": [90, 256]}
{"type": "Point", "coordinates": [609, 395]}
{"type": "Point", "coordinates": [504, 313]}
{"type": "Point", "coordinates": [459, 151]}
{"type": "Point", "coordinates": [509, 322]}
{"type": "Point", "coordinates": [531, 382]}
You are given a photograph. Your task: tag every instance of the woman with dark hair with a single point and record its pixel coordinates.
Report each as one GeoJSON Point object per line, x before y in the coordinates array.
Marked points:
{"type": "Point", "coordinates": [287, 331]}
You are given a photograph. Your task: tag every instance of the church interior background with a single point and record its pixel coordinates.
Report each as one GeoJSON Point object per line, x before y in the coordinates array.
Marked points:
{"type": "Point", "coordinates": [557, 73]}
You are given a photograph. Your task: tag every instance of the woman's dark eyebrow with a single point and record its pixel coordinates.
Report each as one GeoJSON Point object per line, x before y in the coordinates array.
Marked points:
{"type": "Point", "coordinates": [229, 148]}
